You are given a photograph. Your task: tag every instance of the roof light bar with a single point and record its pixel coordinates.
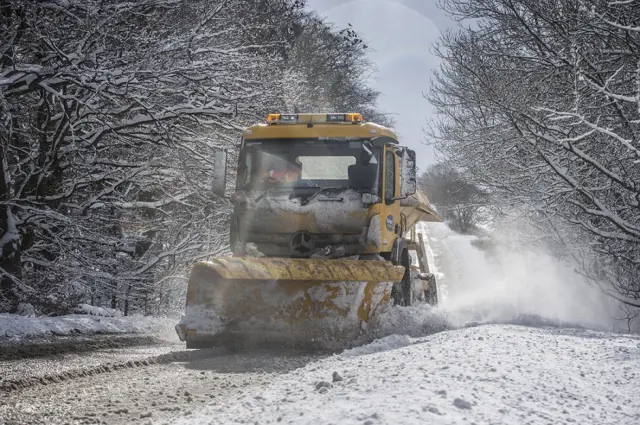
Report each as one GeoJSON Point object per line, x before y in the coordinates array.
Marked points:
{"type": "Point", "coordinates": [344, 117]}
{"type": "Point", "coordinates": [336, 118]}
{"type": "Point", "coordinates": [313, 118]}
{"type": "Point", "coordinates": [282, 118]}
{"type": "Point", "coordinates": [273, 118]}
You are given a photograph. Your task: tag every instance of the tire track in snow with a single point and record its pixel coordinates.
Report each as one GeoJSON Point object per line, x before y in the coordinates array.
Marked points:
{"type": "Point", "coordinates": [10, 385]}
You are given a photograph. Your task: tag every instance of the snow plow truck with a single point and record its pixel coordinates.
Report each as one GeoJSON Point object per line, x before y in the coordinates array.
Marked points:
{"type": "Point", "coordinates": [322, 235]}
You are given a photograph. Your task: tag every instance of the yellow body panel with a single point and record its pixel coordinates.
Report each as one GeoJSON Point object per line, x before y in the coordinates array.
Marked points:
{"type": "Point", "coordinates": [302, 131]}
{"type": "Point", "coordinates": [304, 269]}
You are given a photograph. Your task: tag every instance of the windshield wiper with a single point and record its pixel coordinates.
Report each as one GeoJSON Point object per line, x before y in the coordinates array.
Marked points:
{"type": "Point", "coordinates": [324, 189]}
{"type": "Point", "coordinates": [307, 200]}
{"type": "Point", "coordinates": [265, 193]}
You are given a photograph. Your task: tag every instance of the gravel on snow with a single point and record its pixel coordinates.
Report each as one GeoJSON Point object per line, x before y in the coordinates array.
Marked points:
{"type": "Point", "coordinates": [159, 393]}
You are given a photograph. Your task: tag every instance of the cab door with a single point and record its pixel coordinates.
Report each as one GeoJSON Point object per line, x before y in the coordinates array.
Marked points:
{"type": "Point", "coordinates": [390, 207]}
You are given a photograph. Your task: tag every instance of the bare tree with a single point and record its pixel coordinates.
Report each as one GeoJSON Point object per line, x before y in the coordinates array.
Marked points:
{"type": "Point", "coordinates": [110, 115]}
{"type": "Point", "coordinates": [461, 203]}
{"type": "Point", "coordinates": [112, 112]}
{"type": "Point", "coordinates": [540, 101]}
{"type": "Point", "coordinates": [327, 70]}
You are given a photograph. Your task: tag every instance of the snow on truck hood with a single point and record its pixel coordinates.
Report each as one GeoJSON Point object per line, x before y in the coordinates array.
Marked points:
{"type": "Point", "coordinates": [324, 214]}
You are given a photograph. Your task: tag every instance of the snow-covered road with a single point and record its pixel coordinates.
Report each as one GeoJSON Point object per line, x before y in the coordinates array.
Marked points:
{"type": "Point", "coordinates": [143, 385]}
{"type": "Point", "coordinates": [471, 360]}
{"type": "Point", "coordinates": [510, 345]}
{"type": "Point", "coordinates": [484, 375]}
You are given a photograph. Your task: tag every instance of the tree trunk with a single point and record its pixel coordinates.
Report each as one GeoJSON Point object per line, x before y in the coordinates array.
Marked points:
{"type": "Point", "coordinates": [10, 253]}
{"type": "Point", "coordinates": [126, 300]}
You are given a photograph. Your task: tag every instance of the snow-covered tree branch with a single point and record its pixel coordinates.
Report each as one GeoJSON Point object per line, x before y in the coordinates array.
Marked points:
{"type": "Point", "coordinates": [540, 102]}
{"type": "Point", "coordinates": [110, 115]}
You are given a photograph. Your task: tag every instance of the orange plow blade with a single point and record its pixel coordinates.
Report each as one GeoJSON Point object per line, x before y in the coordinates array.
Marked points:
{"type": "Point", "coordinates": [293, 301]}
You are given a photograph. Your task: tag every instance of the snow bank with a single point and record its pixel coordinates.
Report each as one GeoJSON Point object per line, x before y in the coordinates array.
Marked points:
{"type": "Point", "coordinates": [488, 374]}
{"type": "Point", "coordinates": [98, 311]}
{"type": "Point", "coordinates": [14, 328]}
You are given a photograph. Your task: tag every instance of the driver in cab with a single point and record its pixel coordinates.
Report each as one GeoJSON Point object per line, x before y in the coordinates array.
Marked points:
{"type": "Point", "coordinates": [286, 173]}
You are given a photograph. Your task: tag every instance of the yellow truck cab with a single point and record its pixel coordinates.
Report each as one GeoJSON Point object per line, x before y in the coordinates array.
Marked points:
{"type": "Point", "coordinates": [323, 186]}
{"type": "Point", "coordinates": [322, 212]}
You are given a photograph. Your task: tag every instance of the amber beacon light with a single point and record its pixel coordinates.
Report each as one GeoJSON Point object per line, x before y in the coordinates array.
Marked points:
{"type": "Point", "coordinates": [314, 118]}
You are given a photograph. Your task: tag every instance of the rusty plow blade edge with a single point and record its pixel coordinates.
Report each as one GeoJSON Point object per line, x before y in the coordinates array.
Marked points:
{"type": "Point", "coordinates": [284, 300]}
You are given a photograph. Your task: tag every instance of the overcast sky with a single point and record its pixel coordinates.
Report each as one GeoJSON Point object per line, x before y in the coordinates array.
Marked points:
{"type": "Point", "coordinates": [400, 34]}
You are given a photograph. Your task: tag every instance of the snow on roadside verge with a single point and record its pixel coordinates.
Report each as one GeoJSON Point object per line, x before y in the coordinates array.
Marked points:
{"type": "Point", "coordinates": [487, 374]}
{"type": "Point", "coordinates": [14, 328]}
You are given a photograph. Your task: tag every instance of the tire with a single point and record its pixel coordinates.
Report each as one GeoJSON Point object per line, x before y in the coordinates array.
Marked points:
{"type": "Point", "coordinates": [401, 291]}
{"type": "Point", "coordinates": [431, 294]}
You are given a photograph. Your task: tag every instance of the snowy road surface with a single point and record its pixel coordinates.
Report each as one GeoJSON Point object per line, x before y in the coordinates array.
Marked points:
{"type": "Point", "coordinates": [467, 362]}
{"type": "Point", "coordinates": [482, 375]}
{"type": "Point", "coordinates": [135, 392]}
{"type": "Point", "coordinates": [487, 374]}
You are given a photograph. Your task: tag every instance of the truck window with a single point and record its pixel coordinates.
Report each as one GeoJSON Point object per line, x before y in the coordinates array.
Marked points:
{"type": "Point", "coordinates": [303, 164]}
{"type": "Point", "coordinates": [326, 167]}
{"type": "Point", "coordinates": [389, 175]}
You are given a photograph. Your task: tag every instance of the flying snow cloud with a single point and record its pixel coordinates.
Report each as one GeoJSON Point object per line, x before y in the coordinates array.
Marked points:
{"type": "Point", "coordinates": [511, 286]}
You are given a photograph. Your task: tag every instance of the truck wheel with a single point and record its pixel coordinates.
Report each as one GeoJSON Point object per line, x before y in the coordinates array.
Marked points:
{"type": "Point", "coordinates": [431, 294]}
{"type": "Point", "coordinates": [401, 292]}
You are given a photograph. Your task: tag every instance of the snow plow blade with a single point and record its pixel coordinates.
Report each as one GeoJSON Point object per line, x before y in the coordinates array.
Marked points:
{"type": "Point", "coordinates": [281, 300]}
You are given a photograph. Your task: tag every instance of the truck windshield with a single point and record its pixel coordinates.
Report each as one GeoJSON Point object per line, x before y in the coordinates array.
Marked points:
{"type": "Point", "coordinates": [307, 164]}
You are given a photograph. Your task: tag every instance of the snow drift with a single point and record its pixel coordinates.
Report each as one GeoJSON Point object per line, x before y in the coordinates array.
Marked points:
{"type": "Point", "coordinates": [14, 328]}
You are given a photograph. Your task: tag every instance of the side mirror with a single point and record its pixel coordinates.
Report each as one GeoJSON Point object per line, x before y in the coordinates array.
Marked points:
{"type": "Point", "coordinates": [220, 173]}
{"type": "Point", "coordinates": [408, 180]}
